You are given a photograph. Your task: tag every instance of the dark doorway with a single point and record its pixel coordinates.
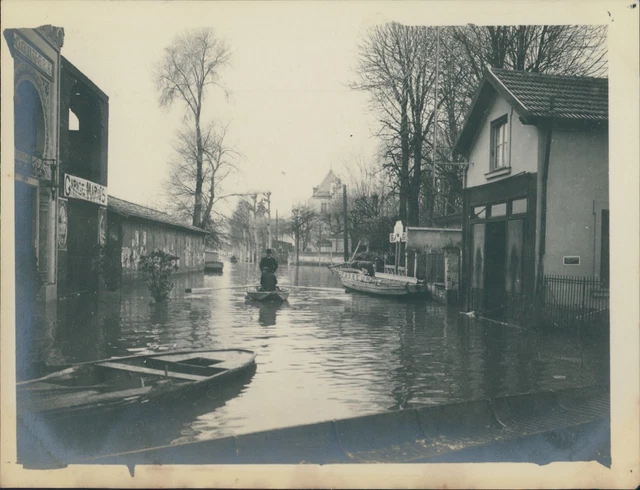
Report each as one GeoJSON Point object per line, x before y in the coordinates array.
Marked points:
{"type": "Point", "coordinates": [604, 249]}
{"type": "Point", "coordinates": [26, 274]}
{"type": "Point", "coordinates": [82, 249]}
{"type": "Point", "coordinates": [494, 272]}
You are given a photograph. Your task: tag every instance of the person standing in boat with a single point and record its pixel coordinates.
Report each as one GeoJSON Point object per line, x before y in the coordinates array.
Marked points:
{"type": "Point", "coordinates": [268, 266]}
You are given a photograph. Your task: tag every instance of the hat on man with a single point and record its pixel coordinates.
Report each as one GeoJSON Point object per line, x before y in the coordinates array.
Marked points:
{"type": "Point", "coordinates": [268, 250]}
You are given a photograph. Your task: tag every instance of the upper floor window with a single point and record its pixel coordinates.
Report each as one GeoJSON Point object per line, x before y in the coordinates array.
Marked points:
{"type": "Point", "coordinates": [499, 143]}
{"type": "Point", "coordinates": [323, 207]}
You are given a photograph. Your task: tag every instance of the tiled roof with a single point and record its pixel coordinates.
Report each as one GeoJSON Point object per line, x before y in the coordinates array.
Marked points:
{"type": "Point", "coordinates": [566, 97]}
{"type": "Point", "coordinates": [324, 189]}
{"type": "Point", "coordinates": [126, 208]}
{"type": "Point", "coordinates": [536, 97]}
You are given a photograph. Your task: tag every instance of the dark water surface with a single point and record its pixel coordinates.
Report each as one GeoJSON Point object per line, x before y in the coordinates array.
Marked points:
{"type": "Point", "coordinates": [324, 354]}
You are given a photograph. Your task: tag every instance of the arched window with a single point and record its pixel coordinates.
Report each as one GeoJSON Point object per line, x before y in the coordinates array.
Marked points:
{"type": "Point", "coordinates": [74, 122]}
{"type": "Point", "coordinates": [29, 120]}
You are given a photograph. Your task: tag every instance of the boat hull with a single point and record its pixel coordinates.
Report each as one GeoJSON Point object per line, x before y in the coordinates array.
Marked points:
{"type": "Point", "coordinates": [124, 382]}
{"type": "Point", "coordinates": [382, 286]}
{"type": "Point", "coordinates": [255, 294]}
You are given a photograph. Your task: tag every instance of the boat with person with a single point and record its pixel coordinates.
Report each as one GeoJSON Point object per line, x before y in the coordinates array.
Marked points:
{"type": "Point", "coordinates": [366, 280]}
{"type": "Point", "coordinates": [120, 382]}
{"type": "Point", "coordinates": [257, 293]}
{"type": "Point", "coordinates": [233, 259]}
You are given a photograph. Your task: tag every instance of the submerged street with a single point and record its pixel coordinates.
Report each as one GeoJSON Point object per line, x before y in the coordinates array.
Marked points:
{"type": "Point", "coordinates": [325, 354]}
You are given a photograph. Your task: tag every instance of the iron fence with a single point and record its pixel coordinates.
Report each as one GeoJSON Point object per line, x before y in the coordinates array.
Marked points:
{"type": "Point", "coordinates": [564, 301]}
{"type": "Point", "coordinates": [575, 301]}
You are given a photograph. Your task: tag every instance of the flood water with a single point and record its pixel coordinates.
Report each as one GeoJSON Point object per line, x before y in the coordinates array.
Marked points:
{"type": "Point", "coordinates": [323, 354]}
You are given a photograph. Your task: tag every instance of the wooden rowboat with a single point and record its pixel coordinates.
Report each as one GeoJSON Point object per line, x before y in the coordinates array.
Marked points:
{"type": "Point", "coordinates": [258, 294]}
{"type": "Point", "coordinates": [124, 381]}
{"type": "Point", "coordinates": [380, 284]}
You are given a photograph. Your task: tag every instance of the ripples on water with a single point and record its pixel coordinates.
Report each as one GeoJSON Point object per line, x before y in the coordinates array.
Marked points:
{"type": "Point", "coordinates": [324, 354]}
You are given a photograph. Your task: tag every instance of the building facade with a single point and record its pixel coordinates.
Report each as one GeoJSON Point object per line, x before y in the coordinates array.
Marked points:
{"type": "Point", "coordinates": [135, 230]}
{"type": "Point", "coordinates": [536, 186]}
{"type": "Point", "coordinates": [325, 200]}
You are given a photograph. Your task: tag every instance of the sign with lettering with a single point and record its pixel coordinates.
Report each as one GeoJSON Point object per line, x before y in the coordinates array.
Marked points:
{"type": "Point", "coordinates": [33, 55]}
{"type": "Point", "coordinates": [62, 223]}
{"type": "Point", "coordinates": [398, 235]}
{"type": "Point", "coordinates": [78, 188]}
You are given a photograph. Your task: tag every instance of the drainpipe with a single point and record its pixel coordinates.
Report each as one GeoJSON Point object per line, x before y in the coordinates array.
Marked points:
{"type": "Point", "coordinates": [543, 209]}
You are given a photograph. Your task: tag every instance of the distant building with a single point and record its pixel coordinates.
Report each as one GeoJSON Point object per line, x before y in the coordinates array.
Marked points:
{"type": "Point", "coordinates": [320, 200]}
{"type": "Point", "coordinates": [536, 197]}
{"type": "Point", "coordinates": [136, 230]}
{"type": "Point", "coordinates": [325, 198]}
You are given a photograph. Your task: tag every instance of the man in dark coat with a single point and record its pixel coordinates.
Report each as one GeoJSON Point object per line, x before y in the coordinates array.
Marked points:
{"type": "Point", "coordinates": [268, 266]}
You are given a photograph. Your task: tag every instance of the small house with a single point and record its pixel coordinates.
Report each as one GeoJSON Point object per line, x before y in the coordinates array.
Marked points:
{"type": "Point", "coordinates": [535, 222]}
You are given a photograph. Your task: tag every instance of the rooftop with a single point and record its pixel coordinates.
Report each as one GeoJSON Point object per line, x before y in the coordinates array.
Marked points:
{"type": "Point", "coordinates": [129, 209]}
{"type": "Point", "coordinates": [537, 97]}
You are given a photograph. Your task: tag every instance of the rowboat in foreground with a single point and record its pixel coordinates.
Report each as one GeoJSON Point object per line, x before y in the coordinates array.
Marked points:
{"type": "Point", "coordinates": [124, 381]}
{"type": "Point", "coordinates": [380, 284]}
{"type": "Point", "coordinates": [258, 294]}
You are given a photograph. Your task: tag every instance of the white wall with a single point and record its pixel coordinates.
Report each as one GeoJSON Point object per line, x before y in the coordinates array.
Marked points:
{"type": "Point", "coordinates": [523, 146]}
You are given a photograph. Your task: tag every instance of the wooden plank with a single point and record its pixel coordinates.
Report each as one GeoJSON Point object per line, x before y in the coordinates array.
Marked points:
{"type": "Point", "coordinates": [155, 372]}
{"type": "Point", "coordinates": [86, 398]}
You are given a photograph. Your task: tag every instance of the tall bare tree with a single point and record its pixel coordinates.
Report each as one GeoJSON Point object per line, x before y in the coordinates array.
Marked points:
{"type": "Point", "coordinates": [219, 160]}
{"type": "Point", "coordinates": [191, 64]}
{"type": "Point", "coordinates": [396, 67]}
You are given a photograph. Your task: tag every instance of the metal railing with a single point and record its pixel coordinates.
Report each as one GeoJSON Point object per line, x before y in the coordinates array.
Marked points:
{"type": "Point", "coordinates": [564, 301]}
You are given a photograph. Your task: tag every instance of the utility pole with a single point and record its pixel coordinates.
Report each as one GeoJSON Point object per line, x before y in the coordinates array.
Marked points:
{"type": "Point", "coordinates": [346, 228]}
{"type": "Point", "coordinates": [268, 194]}
{"type": "Point", "coordinates": [277, 235]}
{"type": "Point", "coordinates": [435, 129]}
{"type": "Point", "coordinates": [255, 229]}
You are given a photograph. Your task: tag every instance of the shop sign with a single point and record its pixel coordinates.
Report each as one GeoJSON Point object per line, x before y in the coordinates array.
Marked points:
{"type": "Point", "coordinates": [33, 55]}
{"type": "Point", "coordinates": [63, 216]}
{"type": "Point", "coordinates": [78, 188]}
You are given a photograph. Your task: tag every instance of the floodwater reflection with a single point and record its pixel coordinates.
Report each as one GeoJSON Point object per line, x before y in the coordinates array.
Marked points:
{"type": "Point", "coordinates": [323, 354]}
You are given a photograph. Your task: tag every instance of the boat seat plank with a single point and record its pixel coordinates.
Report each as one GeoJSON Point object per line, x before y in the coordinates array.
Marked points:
{"type": "Point", "coordinates": [85, 398]}
{"type": "Point", "coordinates": [156, 372]}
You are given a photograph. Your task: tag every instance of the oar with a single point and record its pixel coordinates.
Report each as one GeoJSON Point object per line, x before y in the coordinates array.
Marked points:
{"type": "Point", "coordinates": [206, 290]}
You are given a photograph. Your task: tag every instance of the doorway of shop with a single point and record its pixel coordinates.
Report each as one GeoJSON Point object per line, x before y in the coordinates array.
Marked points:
{"type": "Point", "coordinates": [495, 260]}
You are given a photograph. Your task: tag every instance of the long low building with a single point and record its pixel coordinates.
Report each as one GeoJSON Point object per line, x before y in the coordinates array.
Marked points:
{"type": "Point", "coordinates": [137, 230]}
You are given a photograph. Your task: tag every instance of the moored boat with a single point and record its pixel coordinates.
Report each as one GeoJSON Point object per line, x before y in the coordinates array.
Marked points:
{"type": "Point", "coordinates": [258, 294]}
{"type": "Point", "coordinates": [233, 259]}
{"type": "Point", "coordinates": [380, 284]}
{"type": "Point", "coordinates": [212, 262]}
{"type": "Point", "coordinates": [123, 381]}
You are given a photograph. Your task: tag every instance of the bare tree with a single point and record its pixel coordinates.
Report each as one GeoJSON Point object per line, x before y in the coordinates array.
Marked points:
{"type": "Point", "coordinates": [300, 226]}
{"type": "Point", "coordinates": [396, 66]}
{"type": "Point", "coordinates": [560, 49]}
{"type": "Point", "coordinates": [219, 161]}
{"type": "Point", "coordinates": [189, 65]}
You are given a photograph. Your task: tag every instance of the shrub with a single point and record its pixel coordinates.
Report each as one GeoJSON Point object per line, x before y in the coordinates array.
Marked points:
{"type": "Point", "coordinates": [157, 268]}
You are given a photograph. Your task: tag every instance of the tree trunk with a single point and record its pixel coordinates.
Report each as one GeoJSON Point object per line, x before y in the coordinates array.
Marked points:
{"type": "Point", "coordinates": [404, 168]}
{"type": "Point", "coordinates": [413, 218]}
{"type": "Point", "coordinates": [197, 206]}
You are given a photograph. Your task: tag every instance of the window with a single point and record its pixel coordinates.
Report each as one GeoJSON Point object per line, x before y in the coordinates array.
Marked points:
{"type": "Point", "coordinates": [499, 210]}
{"type": "Point", "coordinates": [480, 212]}
{"type": "Point", "coordinates": [74, 122]}
{"type": "Point", "coordinates": [519, 206]}
{"type": "Point", "coordinates": [499, 143]}
{"type": "Point", "coordinates": [323, 207]}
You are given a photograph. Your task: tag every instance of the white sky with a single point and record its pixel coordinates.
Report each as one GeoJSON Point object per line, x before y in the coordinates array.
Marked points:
{"type": "Point", "coordinates": [292, 115]}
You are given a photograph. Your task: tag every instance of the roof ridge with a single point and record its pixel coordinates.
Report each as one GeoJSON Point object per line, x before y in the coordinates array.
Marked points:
{"type": "Point", "coordinates": [139, 205]}
{"type": "Point", "coordinates": [547, 75]}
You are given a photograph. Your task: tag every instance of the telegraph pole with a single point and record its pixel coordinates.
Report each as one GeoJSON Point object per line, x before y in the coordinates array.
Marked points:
{"type": "Point", "coordinates": [346, 228]}
{"type": "Point", "coordinates": [268, 194]}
